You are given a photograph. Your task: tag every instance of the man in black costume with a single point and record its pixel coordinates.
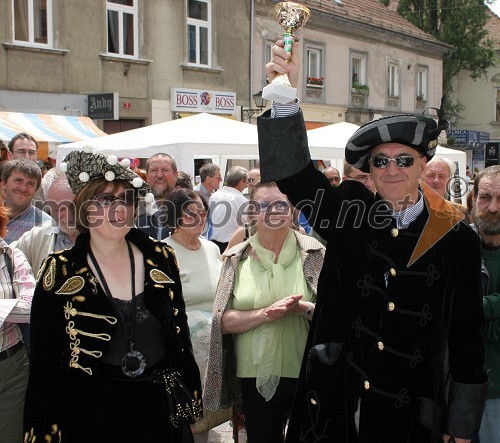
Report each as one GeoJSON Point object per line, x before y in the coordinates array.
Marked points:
{"type": "Point", "coordinates": [398, 323]}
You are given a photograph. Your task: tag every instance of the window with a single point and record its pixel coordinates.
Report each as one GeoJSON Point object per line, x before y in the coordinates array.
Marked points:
{"type": "Point", "coordinates": [199, 34]}
{"type": "Point", "coordinates": [392, 89]}
{"type": "Point", "coordinates": [32, 22]}
{"type": "Point", "coordinates": [358, 69]}
{"type": "Point", "coordinates": [314, 66]}
{"type": "Point", "coordinates": [122, 19]}
{"type": "Point", "coordinates": [421, 86]}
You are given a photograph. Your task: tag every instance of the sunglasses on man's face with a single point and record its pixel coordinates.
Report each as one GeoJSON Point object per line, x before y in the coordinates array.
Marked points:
{"type": "Point", "coordinates": [401, 161]}
{"type": "Point", "coordinates": [126, 199]}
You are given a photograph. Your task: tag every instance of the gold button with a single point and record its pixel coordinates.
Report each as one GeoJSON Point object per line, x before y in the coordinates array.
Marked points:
{"type": "Point", "coordinates": [171, 294]}
{"type": "Point", "coordinates": [394, 232]}
{"type": "Point", "coordinates": [176, 311]}
{"type": "Point", "coordinates": [177, 329]}
{"type": "Point", "coordinates": [73, 364]}
{"type": "Point", "coordinates": [380, 346]}
{"type": "Point", "coordinates": [313, 402]}
{"type": "Point", "coordinates": [366, 384]}
{"type": "Point", "coordinates": [391, 306]}
{"type": "Point", "coordinates": [392, 271]}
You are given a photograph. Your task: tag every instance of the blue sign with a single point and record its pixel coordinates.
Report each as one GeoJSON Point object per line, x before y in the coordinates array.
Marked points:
{"type": "Point", "coordinates": [465, 136]}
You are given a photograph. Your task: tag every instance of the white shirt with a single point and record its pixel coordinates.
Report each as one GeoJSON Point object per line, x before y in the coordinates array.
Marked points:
{"type": "Point", "coordinates": [225, 213]}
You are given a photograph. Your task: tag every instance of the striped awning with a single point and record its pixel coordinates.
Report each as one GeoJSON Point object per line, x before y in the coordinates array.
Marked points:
{"type": "Point", "coordinates": [48, 128]}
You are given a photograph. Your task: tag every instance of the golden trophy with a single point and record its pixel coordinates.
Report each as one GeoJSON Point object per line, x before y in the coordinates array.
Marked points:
{"type": "Point", "coordinates": [291, 17]}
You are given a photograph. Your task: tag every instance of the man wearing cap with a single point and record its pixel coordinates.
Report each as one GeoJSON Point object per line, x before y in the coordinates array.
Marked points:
{"type": "Point", "coordinates": [399, 321]}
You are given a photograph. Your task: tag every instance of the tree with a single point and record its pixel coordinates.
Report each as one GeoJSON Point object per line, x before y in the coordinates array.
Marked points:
{"type": "Point", "coordinates": [460, 23]}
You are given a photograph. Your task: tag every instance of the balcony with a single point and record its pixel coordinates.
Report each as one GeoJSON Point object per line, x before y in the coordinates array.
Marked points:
{"type": "Point", "coordinates": [359, 95]}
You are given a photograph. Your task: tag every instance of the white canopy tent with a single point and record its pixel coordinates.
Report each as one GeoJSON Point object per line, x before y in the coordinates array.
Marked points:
{"type": "Point", "coordinates": [199, 136]}
{"type": "Point", "coordinates": [204, 136]}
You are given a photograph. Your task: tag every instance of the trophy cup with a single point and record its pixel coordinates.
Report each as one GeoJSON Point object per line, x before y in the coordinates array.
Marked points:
{"type": "Point", "coordinates": [290, 16]}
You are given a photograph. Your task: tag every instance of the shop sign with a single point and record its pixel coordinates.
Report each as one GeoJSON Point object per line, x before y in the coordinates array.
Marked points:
{"type": "Point", "coordinates": [202, 100]}
{"type": "Point", "coordinates": [103, 106]}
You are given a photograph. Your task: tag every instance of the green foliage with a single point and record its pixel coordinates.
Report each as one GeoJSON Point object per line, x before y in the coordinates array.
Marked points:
{"type": "Point", "coordinates": [358, 88]}
{"type": "Point", "coordinates": [385, 2]}
{"type": "Point", "coordinates": [460, 23]}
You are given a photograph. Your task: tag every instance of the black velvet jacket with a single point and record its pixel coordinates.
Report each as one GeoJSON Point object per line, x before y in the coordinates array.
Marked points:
{"type": "Point", "coordinates": [399, 312]}
{"type": "Point", "coordinates": [73, 321]}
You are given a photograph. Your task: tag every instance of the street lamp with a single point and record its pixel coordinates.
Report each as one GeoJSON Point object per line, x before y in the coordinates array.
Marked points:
{"type": "Point", "coordinates": [261, 103]}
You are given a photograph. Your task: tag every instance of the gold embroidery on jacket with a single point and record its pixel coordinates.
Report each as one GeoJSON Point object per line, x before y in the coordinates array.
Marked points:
{"type": "Point", "coordinates": [79, 298]}
{"type": "Point", "coordinates": [71, 286]}
{"type": "Point", "coordinates": [70, 311]}
{"type": "Point", "coordinates": [165, 252]}
{"type": "Point", "coordinates": [151, 263]}
{"type": "Point", "coordinates": [81, 271]}
{"type": "Point", "coordinates": [73, 333]}
{"type": "Point", "coordinates": [159, 277]}
{"type": "Point", "coordinates": [49, 277]}
{"type": "Point", "coordinates": [75, 350]}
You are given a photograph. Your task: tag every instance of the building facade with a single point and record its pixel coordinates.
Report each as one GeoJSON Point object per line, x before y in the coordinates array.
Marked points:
{"type": "Point", "coordinates": [360, 60]}
{"type": "Point", "coordinates": [55, 53]}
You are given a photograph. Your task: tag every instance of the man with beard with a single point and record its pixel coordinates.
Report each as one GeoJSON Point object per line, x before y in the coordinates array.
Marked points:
{"type": "Point", "coordinates": [486, 213]}
{"type": "Point", "coordinates": [161, 172]}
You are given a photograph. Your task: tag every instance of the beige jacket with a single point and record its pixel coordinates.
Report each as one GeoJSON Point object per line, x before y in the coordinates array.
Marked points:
{"type": "Point", "coordinates": [222, 387]}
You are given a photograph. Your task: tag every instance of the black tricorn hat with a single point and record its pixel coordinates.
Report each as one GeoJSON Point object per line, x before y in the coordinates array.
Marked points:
{"type": "Point", "coordinates": [417, 132]}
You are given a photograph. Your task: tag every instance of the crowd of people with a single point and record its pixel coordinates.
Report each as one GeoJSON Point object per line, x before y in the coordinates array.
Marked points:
{"type": "Point", "coordinates": [371, 315]}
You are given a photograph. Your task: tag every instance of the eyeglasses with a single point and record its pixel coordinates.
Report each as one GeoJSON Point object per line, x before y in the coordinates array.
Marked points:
{"type": "Point", "coordinates": [24, 152]}
{"type": "Point", "coordinates": [401, 161]}
{"type": "Point", "coordinates": [251, 180]}
{"type": "Point", "coordinates": [126, 199]}
{"type": "Point", "coordinates": [276, 206]}
{"type": "Point", "coordinates": [334, 179]}
{"type": "Point", "coordinates": [193, 214]}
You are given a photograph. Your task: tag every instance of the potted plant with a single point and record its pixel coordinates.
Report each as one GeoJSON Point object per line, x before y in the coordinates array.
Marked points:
{"type": "Point", "coordinates": [358, 88]}
{"type": "Point", "coordinates": [315, 81]}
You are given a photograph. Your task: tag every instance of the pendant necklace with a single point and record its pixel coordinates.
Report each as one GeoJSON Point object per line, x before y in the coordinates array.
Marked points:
{"type": "Point", "coordinates": [133, 362]}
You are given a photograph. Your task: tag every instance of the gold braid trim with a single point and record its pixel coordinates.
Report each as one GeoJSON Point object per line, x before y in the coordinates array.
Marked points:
{"type": "Point", "coordinates": [75, 350]}
{"type": "Point", "coordinates": [70, 311]}
{"type": "Point", "coordinates": [73, 332]}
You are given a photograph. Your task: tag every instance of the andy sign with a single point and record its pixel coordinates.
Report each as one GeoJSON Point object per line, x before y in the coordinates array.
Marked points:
{"type": "Point", "coordinates": [201, 100]}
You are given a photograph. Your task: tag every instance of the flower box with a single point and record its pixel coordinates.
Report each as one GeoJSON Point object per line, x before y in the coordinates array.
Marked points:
{"type": "Point", "coordinates": [314, 81]}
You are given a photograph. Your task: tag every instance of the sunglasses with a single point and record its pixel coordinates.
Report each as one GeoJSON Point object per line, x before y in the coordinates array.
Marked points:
{"type": "Point", "coordinates": [126, 199]}
{"type": "Point", "coordinates": [193, 214]}
{"type": "Point", "coordinates": [401, 161]}
{"type": "Point", "coordinates": [276, 206]}
{"type": "Point", "coordinates": [334, 179]}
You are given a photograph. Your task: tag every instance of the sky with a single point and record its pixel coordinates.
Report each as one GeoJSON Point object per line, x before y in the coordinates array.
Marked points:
{"type": "Point", "coordinates": [495, 7]}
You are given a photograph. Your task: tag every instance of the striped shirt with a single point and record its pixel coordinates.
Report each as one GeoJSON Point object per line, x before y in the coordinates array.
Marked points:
{"type": "Point", "coordinates": [24, 221]}
{"type": "Point", "coordinates": [21, 288]}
